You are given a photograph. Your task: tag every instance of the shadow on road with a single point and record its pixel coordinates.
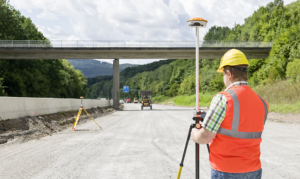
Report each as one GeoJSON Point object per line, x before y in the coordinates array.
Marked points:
{"type": "Point", "coordinates": [90, 130]}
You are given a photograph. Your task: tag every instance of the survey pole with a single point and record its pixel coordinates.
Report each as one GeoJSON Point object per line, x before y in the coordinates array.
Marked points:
{"type": "Point", "coordinates": [197, 23]}
{"type": "Point", "coordinates": [197, 68]}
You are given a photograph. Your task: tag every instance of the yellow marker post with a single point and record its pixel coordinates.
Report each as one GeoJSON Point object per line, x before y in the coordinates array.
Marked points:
{"type": "Point", "coordinates": [78, 116]}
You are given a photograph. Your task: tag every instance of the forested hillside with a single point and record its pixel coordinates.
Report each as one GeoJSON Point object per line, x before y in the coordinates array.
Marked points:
{"type": "Point", "coordinates": [102, 86]}
{"type": "Point", "coordinates": [92, 68]}
{"type": "Point", "coordinates": [274, 22]}
{"type": "Point", "coordinates": [34, 78]}
{"type": "Point", "coordinates": [277, 23]}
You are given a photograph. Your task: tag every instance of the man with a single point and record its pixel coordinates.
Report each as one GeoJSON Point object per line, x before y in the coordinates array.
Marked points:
{"type": "Point", "coordinates": [234, 123]}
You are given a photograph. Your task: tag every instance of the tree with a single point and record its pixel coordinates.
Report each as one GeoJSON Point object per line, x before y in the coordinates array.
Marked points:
{"type": "Point", "coordinates": [34, 78]}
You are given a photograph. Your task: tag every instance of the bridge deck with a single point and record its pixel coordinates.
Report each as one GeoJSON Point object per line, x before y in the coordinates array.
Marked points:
{"type": "Point", "coordinates": [101, 49]}
{"type": "Point", "coordinates": [126, 52]}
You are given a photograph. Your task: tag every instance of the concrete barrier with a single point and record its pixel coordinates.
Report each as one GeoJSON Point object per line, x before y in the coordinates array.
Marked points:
{"type": "Point", "coordinates": [15, 107]}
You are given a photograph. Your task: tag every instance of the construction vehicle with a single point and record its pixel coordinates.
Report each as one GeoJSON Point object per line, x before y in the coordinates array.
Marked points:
{"type": "Point", "coordinates": [145, 97]}
{"type": "Point", "coordinates": [135, 100]}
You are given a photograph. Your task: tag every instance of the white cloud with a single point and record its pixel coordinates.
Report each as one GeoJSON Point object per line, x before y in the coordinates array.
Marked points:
{"type": "Point", "coordinates": [176, 6]}
{"type": "Point", "coordinates": [57, 33]}
{"type": "Point", "coordinates": [47, 15]}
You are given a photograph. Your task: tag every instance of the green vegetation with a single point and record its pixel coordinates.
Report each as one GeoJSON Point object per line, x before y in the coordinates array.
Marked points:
{"type": "Point", "coordinates": [285, 107]}
{"type": "Point", "coordinates": [131, 71]}
{"type": "Point", "coordinates": [282, 96]}
{"type": "Point", "coordinates": [178, 78]}
{"type": "Point", "coordinates": [217, 33]}
{"type": "Point", "coordinates": [34, 78]}
{"type": "Point", "coordinates": [277, 23]}
{"type": "Point", "coordinates": [97, 79]}
{"type": "Point", "coordinates": [160, 99]}
{"type": "Point", "coordinates": [185, 100]}
{"type": "Point", "coordinates": [92, 68]}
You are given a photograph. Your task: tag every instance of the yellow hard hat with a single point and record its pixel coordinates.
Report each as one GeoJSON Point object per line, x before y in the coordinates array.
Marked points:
{"type": "Point", "coordinates": [233, 57]}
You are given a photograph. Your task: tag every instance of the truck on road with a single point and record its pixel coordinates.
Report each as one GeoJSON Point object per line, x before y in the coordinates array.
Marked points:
{"type": "Point", "coordinates": [145, 97]}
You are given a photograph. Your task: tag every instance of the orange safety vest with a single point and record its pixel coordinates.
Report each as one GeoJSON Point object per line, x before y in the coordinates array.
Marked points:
{"type": "Point", "coordinates": [236, 147]}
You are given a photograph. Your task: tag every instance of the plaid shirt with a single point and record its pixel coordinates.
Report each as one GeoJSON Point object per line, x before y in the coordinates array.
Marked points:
{"type": "Point", "coordinates": [217, 110]}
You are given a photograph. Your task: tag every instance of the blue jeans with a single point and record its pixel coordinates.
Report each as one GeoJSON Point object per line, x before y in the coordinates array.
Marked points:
{"type": "Point", "coordinates": [223, 175]}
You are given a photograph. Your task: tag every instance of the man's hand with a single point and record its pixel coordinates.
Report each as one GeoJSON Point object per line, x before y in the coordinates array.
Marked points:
{"type": "Point", "coordinates": [202, 136]}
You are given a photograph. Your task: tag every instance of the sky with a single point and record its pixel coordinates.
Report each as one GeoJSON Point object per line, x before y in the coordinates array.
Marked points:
{"type": "Point", "coordinates": [143, 20]}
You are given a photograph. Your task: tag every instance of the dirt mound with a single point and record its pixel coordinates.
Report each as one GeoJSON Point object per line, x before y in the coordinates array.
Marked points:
{"type": "Point", "coordinates": [28, 128]}
{"type": "Point", "coordinates": [284, 118]}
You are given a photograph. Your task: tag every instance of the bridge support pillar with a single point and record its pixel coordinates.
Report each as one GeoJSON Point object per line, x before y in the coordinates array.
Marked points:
{"type": "Point", "coordinates": [116, 83]}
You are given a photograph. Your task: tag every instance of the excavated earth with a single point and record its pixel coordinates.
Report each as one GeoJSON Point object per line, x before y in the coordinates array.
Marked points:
{"type": "Point", "coordinates": [28, 128]}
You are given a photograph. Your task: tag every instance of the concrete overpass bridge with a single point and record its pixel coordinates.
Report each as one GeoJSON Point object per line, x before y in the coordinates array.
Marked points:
{"type": "Point", "coordinates": [58, 49]}
{"type": "Point", "coordinates": [95, 49]}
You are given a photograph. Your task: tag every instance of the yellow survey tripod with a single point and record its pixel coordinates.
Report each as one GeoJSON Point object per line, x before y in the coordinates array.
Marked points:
{"type": "Point", "coordinates": [78, 116]}
{"type": "Point", "coordinates": [199, 116]}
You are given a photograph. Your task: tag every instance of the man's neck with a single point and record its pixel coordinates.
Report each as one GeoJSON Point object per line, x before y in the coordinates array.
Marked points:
{"type": "Point", "coordinates": [237, 82]}
{"type": "Point", "coordinates": [231, 82]}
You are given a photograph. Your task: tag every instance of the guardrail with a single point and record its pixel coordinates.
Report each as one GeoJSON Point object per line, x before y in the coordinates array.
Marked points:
{"type": "Point", "coordinates": [109, 44]}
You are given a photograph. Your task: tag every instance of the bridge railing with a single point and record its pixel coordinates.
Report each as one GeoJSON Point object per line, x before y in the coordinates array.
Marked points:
{"type": "Point", "coordinates": [111, 44]}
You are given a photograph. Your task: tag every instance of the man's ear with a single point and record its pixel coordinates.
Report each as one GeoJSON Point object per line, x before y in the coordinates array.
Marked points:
{"type": "Point", "coordinates": [228, 74]}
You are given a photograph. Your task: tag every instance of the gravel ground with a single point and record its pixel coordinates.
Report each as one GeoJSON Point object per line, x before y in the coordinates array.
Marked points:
{"type": "Point", "coordinates": [137, 144]}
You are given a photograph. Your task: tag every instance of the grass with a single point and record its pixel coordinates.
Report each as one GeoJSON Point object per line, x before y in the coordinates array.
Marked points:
{"type": "Point", "coordinates": [285, 108]}
{"type": "Point", "coordinates": [185, 100]}
{"type": "Point", "coordinates": [160, 99]}
{"type": "Point", "coordinates": [282, 97]}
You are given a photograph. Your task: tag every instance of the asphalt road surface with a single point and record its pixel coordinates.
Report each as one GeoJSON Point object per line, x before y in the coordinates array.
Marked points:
{"type": "Point", "coordinates": [137, 144]}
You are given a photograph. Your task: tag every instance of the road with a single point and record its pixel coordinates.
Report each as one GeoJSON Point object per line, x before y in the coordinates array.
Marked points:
{"type": "Point", "coordinates": [137, 144]}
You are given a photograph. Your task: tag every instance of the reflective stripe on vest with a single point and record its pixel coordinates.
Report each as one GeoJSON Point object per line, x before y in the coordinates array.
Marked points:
{"type": "Point", "coordinates": [236, 121]}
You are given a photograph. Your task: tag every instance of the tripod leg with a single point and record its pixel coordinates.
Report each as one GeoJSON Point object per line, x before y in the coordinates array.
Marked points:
{"type": "Point", "coordinates": [197, 160]}
{"type": "Point", "coordinates": [208, 148]}
{"type": "Point", "coordinates": [186, 144]}
{"type": "Point", "coordinates": [92, 118]}
{"type": "Point", "coordinates": [77, 119]}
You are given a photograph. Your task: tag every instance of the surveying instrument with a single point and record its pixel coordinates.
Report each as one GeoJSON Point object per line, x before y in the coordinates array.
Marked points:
{"type": "Point", "coordinates": [198, 116]}
{"type": "Point", "coordinates": [78, 116]}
